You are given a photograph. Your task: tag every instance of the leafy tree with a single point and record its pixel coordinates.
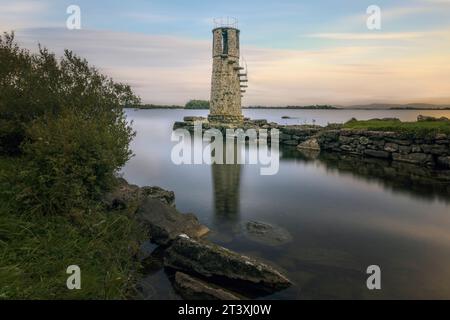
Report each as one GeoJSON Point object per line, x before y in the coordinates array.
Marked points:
{"type": "Point", "coordinates": [197, 104]}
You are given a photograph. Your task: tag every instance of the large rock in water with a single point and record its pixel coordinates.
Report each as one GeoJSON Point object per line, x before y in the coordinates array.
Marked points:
{"type": "Point", "coordinates": [191, 288]}
{"type": "Point", "coordinates": [210, 260]}
{"type": "Point", "coordinates": [165, 223]}
{"type": "Point", "coordinates": [266, 233]}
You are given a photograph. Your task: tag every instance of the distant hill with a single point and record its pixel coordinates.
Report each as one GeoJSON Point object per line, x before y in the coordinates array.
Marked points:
{"type": "Point", "coordinates": [372, 106]}
{"type": "Point", "coordinates": [393, 106]}
{"type": "Point", "coordinates": [155, 106]}
{"type": "Point", "coordinates": [204, 104]}
{"type": "Point", "coordinates": [313, 107]}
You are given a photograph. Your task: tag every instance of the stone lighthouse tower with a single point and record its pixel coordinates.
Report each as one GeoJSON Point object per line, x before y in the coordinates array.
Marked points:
{"type": "Point", "coordinates": [228, 79]}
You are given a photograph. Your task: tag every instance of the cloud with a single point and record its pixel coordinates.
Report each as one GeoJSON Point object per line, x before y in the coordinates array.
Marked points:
{"type": "Point", "coordinates": [150, 18]}
{"type": "Point", "coordinates": [390, 14]}
{"type": "Point", "coordinates": [369, 35]}
{"type": "Point", "coordinates": [161, 69]}
{"type": "Point", "coordinates": [437, 1]}
{"type": "Point", "coordinates": [172, 70]}
{"type": "Point", "coordinates": [15, 15]}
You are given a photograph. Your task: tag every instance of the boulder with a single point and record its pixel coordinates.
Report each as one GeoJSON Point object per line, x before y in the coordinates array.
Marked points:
{"type": "Point", "coordinates": [414, 158]}
{"type": "Point", "coordinates": [300, 130]}
{"type": "Point", "coordinates": [165, 223]}
{"type": "Point", "coordinates": [191, 288]}
{"type": "Point", "coordinates": [194, 118]}
{"type": "Point", "coordinates": [266, 233]}
{"type": "Point", "coordinates": [404, 149]}
{"type": "Point", "coordinates": [290, 142]}
{"type": "Point", "coordinates": [347, 148]}
{"type": "Point", "coordinates": [444, 161]}
{"type": "Point", "coordinates": [311, 144]}
{"type": "Point", "coordinates": [391, 147]}
{"type": "Point", "coordinates": [439, 149]}
{"type": "Point", "coordinates": [127, 195]}
{"type": "Point", "coordinates": [377, 153]}
{"type": "Point", "coordinates": [210, 260]}
{"type": "Point", "coordinates": [123, 196]}
{"type": "Point", "coordinates": [364, 140]}
{"type": "Point", "coordinates": [259, 122]}
{"type": "Point", "coordinates": [165, 196]}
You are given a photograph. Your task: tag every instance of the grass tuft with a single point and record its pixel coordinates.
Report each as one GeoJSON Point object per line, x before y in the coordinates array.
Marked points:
{"type": "Point", "coordinates": [420, 128]}
{"type": "Point", "coordinates": [36, 250]}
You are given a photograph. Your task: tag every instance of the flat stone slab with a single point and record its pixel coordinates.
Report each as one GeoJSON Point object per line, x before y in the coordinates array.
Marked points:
{"type": "Point", "coordinates": [165, 223]}
{"type": "Point", "coordinates": [191, 288]}
{"type": "Point", "coordinates": [210, 260]}
{"type": "Point", "coordinates": [266, 233]}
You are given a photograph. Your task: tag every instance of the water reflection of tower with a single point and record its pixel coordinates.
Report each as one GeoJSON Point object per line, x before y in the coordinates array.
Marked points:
{"type": "Point", "coordinates": [226, 181]}
{"type": "Point", "coordinates": [226, 184]}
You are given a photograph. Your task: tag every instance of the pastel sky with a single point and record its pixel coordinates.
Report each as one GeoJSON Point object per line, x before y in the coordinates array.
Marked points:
{"type": "Point", "coordinates": [298, 52]}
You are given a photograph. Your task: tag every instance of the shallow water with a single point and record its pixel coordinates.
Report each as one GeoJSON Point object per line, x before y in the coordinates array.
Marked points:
{"type": "Point", "coordinates": [343, 214]}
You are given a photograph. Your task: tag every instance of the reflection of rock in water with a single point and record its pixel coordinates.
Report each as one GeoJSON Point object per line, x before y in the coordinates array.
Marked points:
{"type": "Point", "coordinates": [226, 182]}
{"type": "Point", "coordinates": [419, 181]}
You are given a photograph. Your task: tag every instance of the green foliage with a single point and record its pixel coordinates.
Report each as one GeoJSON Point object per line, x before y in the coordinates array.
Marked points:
{"type": "Point", "coordinates": [33, 85]}
{"type": "Point", "coordinates": [419, 128]}
{"type": "Point", "coordinates": [35, 252]}
{"type": "Point", "coordinates": [67, 121]}
{"type": "Point", "coordinates": [71, 161]}
{"type": "Point", "coordinates": [197, 104]}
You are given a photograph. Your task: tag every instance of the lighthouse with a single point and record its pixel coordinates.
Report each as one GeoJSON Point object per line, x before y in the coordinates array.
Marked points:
{"type": "Point", "coordinates": [229, 79]}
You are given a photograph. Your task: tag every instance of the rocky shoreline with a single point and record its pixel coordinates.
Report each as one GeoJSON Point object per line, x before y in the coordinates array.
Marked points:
{"type": "Point", "coordinates": [202, 269]}
{"type": "Point", "coordinates": [430, 151]}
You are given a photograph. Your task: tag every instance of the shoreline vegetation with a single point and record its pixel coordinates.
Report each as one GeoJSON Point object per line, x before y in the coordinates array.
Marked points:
{"type": "Point", "coordinates": [37, 249]}
{"type": "Point", "coordinates": [63, 138]}
{"type": "Point", "coordinates": [424, 126]}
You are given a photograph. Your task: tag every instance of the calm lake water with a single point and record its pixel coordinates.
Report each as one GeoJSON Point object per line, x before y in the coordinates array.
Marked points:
{"type": "Point", "coordinates": [343, 214]}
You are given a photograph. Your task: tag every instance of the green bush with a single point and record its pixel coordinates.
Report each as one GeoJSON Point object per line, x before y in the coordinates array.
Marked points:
{"type": "Point", "coordinates": [70, 160]}
{"type": "Point", "coordinates": [197, 104]}
{"type": "Point", "coordinates": [66, 121]}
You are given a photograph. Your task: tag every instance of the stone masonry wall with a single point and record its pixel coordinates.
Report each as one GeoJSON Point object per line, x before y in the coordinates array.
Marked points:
{"type": "Point", "coordinates": [428, 151]}
{"type": "Point", "coordinates": [225, 81]}
{"type": "Point", "coordinates": [294, 135]}
{"type": "Point", "coordinates": [431, 151]}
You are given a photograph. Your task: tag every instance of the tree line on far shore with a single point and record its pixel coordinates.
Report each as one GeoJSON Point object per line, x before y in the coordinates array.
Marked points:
{"type": "Point", "coordinates": [204, 104]}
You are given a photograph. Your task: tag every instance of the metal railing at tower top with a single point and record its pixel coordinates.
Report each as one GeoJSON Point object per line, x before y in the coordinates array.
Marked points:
{"type": "Point", "coordinates": [226, 22]}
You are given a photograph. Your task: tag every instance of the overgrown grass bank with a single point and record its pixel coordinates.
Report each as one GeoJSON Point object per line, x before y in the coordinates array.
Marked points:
{"type": "Point", "coordinates": [416, 128]}
{"type": "Point", "coordinates": [36, 250]}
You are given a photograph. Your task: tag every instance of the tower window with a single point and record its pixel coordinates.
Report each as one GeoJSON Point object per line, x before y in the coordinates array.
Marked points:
{"type": "Point", "coordinates": [225, 41]}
